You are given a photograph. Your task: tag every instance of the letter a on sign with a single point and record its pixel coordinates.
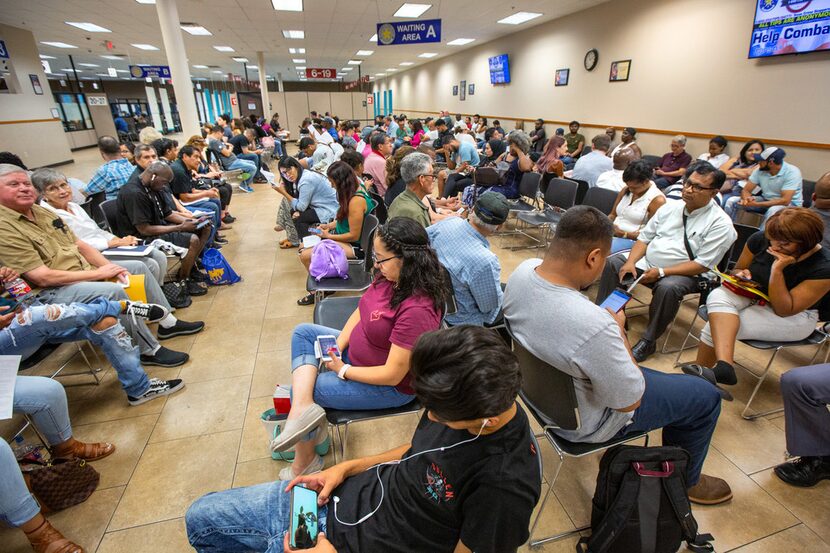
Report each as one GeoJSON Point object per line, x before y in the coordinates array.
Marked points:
{"type": "Point", "coordinates": [431, 32]}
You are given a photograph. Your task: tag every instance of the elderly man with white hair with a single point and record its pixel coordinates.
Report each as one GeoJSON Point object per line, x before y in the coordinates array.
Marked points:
{"type": "Point", "coordinates": [673, 164]}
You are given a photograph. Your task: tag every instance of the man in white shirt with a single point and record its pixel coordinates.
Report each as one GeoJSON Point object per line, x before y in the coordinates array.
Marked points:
{"type": "Point", "coordinates": [681, 242]}
{"type": "Point", "coordinates": [613, 179]}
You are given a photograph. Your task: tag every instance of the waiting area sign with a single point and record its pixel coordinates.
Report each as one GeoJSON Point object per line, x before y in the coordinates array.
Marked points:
{"type": "Point", "coordinates": [409, 32]}
{"type": "Point", "coordinates": [143, 71]}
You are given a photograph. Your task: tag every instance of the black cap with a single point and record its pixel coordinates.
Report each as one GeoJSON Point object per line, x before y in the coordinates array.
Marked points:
{"type": "Point", "coordinates": [492, 208]}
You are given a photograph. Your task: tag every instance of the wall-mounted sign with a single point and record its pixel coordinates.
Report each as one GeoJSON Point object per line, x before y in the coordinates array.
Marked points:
{"type": "Point", "coordinates": [370, 99]}
{"type": "Point", "coordinates": [318, 73]}
{"type": "Point", "coordinates": [233, 100]}
{"type": "Point", "coordinates": [4, 53]}
{"type": "Point", "coordinates": [36, 84]}
{"type": "Point", "coordinates": [144, 71]}
{"type": "Point", "coordinates": [46, 67]}
{"type": "Point", "coordinates": [96, 100]}
{"type": "Point", "coordinates": [55, 113]}
{"type": "Point", "coordinates": [112, 72]}
{"type": "Point", "coordinates": [409, 32]}
{"type": "Point", "coordinates": [251, 106]}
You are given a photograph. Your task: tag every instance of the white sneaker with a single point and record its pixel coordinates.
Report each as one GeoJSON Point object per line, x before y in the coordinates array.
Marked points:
{"type": "Point", "coordinates": [158, 388]}
{"type": "Point", "coordinates": [316, 465]}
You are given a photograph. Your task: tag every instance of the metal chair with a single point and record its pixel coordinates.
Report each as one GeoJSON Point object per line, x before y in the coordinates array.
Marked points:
{"type": "Point", "coordinates": [91, 204]}
{"type": "Point", "coordinates": [48, 349]}
{"type": "Point", "coordinates": [381, 211]}
{"type": "Point", "coordinates": [559, 196]}
{"type": "Point", "coordinates": [600, 198]}
{"type": "Point", "coordinates": [654, 161]}
{"type": "Point", "coordinates": [808, 187]}
{"type": "Point", "coordinates": [581, 189]}
{"type": "Point", "coordinates": [108, 212]}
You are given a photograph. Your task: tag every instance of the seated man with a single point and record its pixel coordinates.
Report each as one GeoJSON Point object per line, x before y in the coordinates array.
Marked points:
{"type": "Point", "coordinates": [27, 329]}
{"type": "Point", "coordinates": [223, 153]}
{"type": "Point", "coordinates": [185, 188]}
{"type": "Point", "coordinates": [463, 249]}
{"type": "Point", "coordinates": [478, 497]}
{"type": "Point", "coordinates": [821, 205]}
{"type": "Point", "coordinates": [142, 212]}
{"type": "Point", "coordinates": [807, 419]}
{"type": "Point", "coordinates": [115, 171]}
{"type": "Point", "coordinates": [416, 172]}
{"type": "Point", "coordinates": [779, 183]}
{"type": "Point", "coordinates": [615, 396]}
{"type": "Point", "coordinates": [35, 242]}
{"type": "Point", "coordinates": [462, 157]}
{"type": "Point", "coordinates": [613, 179]}
{"type": "Point", "coordinates": [673, 164]}
{"type": "Point", "coordinates": [321, 155]}
{"type": "Point", "coordinates": [590, 166]}
{"type": "Point", "coordinates": [538, 138]}
{"type": "Point", "coordinates": [575, 142]}
{"type": "Point", "coordinates": [682, 241]}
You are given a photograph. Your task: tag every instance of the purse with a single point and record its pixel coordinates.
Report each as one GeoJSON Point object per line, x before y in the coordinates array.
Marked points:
{"type": "Point", "coordinates": [176, 294]}
{"type": "Point", "coordinates": [61, 482]}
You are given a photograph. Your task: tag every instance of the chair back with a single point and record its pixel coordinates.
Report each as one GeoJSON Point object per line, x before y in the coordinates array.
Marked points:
{"type": "Point", "coordinates": [380, 210]}
{"type": "Point", "coordinates": [600, 198]}
{"type": "Point", "coordinates": [451, 305]}
{"type": "Point", "coordinates": [486, 176]}
{"type": "Point", "coordinates": [108, 211]}
{"type": "Point", "coordinates": [807, 189]}
{"type": "Point", "coordinates": [581, 190]}
{"type": "Point", "coordinates": [367, 239]}
{"type": "Point", "coordinates": [586, 150]}
{"type": "Point", "coordinates": [654, 161]}
{"type": "Point", "coordinates": [744, 232]}
{"type": "Point", "coordinates": [529, 185]}
{"type": "Point", "coordinates": [561, 193]}
{"type": "Point", "coordinates": [91, 204]}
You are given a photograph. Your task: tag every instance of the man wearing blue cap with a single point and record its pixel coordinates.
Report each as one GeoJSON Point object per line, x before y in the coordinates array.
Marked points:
{"type": "Point", "coordinates": [779, 183]}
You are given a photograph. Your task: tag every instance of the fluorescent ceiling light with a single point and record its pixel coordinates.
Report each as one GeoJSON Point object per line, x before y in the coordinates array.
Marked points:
{"type": "Point", "coordinates": [89, 65]}
{"type": "Point", "coordinates": [89, 27]}
{"type": "Point", "coordinates": [298, 60]}
{"type": "Point", "coordinates": [144, 46]}
{"type": "Point", "coordinates": [254, 67]}
{"type": "Point", "coordinates": [364, 52]}
{"type": "Point", "coordinates": [146, 1]}
{"type": "Point", "coordinates": [196, 30]}
{"type": "Point", "coordinates": [70, 70]}
{"type": "Point", "coordinates": [347, 69]}
{"type": "Point", "coordinates": [43, 57]}
{"type": "Point", "coordinates": [296, 50]}
{"type": "Point", "coordinates": [200, 67]}
{"type": "Point", "coordinates": [390, 69]}
{"type": "Point", "coordinates": [223, 48]}
{"type": "Point", "coordinates": [406, 63]}
{"type": "Point", "coordinates": [427, 55]}
{"type": "Point", "coordinates": [299, 35]}
{"type": "Point", "coordinates": [121, 71]}
{"type": "Point", "coordinates": [58, 44]}
{"type": "Point", "coordinates": [460, 41]}
{"type": "Point", "coordinates": [269, 77]}
{"type": "Point", "coordinates": [217, 72]}
{"type": "Point", "coordinates": [240, 60]}
{"type": "Point", "coordinates": [519, 18]}
{"type": "Point", "coordinates": [380, 74]}
{"type": "Point", "coordinates": [288, 5]}
{"type": "Point", "coordinates": [113, 57]}
{"type": "Point", "coordinates": [355, 62]}
{"type": "Point", "coordinates": [300, 68]}
{"type": "Point", "coordinates": [412, 10]}
{"type": "Point", "coordinates": [102, 74]}
{"type": "Point", "coordinates": [374, 38]}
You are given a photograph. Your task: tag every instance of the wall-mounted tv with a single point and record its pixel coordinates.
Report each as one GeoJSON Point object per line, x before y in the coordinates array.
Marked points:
{"type": "Point", "coordinates": [500, 69]}
{"type": "Point", "coordinates": [790, 27]}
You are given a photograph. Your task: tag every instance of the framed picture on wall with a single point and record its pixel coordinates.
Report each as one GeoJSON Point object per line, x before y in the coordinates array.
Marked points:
{"type": "Point", "coordinates": [562, 77]}
{"type": "Point", "coordinates": [472, 89]}
{"type": "Point", "coordinates": [36, 84]}
{"type": "Point", "coordinates": [455, 90]}
{"type": "Point", "coordinates": [620, 70]}
{"type": "Point", "coordinates": [463, 91]}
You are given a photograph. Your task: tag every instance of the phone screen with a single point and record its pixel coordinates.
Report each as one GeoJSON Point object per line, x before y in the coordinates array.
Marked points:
{"type": "Point", "coordinates": [327, 343]}
{"type": "Point", "coordinates": [303, 518]}
{"type": "Point", "coordinates": [615, 301]}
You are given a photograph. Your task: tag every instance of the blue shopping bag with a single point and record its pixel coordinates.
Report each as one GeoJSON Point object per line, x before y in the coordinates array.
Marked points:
{"type": "Point", "coordinates": [218, 269]}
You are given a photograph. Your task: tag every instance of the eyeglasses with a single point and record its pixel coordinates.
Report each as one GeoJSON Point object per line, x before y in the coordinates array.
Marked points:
{"type": "Point", "coordinates": [695, 186]}
{"type": "Point", "coordinates": [380, 262]}
{"type": "Point", "coordinates": [431, 175]}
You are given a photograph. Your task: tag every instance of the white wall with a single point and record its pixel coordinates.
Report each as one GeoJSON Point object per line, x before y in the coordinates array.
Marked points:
{"type": "Point", "coordinates": [293, 107]}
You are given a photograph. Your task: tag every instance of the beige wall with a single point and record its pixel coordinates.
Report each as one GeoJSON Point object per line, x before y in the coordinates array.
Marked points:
{"type": "Point", "coordinates": [37, 143]}
{"type": "Point", "coordinates": [294, 106]}
{"type": "Point", "coordinates": [689, 73]}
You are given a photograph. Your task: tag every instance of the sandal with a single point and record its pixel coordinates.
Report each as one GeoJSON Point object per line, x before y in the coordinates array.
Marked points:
{"type": "Point", "coordinates": [85, 451]}
{"type": "Point", "coordinates": [287, 244]}
{"type": "Point", "coordinates": [306, 300]}
{"type": "Point", "coordinates": [706, 374]}
{"type": "Point", "coordinates": [46, 539]}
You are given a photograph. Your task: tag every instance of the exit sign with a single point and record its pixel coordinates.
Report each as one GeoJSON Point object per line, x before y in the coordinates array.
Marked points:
{"type": "Point", "coordinates": [317, 73]}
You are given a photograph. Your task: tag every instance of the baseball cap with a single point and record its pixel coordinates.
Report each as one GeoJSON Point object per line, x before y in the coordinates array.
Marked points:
{"type": "Point", "coordinates": [492, 208]}
{"type": "Point", "coordinates": [771, 154]}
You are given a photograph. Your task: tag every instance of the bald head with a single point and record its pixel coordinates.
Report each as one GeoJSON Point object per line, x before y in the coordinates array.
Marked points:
{"type": "Point", "coordinates": [623, 159]}
{"type": "Point", "coordinates": [156, 175]}
{"type": "Point", "coordinates": [821, 195]}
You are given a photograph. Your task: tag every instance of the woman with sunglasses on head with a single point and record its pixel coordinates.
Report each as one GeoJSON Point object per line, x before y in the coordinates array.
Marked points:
{"type": "Point", "coordinates": [308, 200]}
{"type": "Point", "coordinates": [786, 263]}
{"type": "Point", "coordinates": [405, 300]}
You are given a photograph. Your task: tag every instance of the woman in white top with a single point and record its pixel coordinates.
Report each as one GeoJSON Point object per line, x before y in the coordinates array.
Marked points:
{"type": "Point", "coordinates": [57, 196]}
{"type": "Point", "coordinates": [635, 205]}
{"type": "Point", "coordinates": [716, 154]}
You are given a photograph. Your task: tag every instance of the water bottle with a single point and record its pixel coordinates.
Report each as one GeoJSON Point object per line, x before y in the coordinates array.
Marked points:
{"type": "Point", "coordinates": [20, 291]}
{"type": "Point", "coordinates": [22, 450]}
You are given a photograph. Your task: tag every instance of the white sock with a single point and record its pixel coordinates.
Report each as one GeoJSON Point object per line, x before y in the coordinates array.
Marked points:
{"type": "Point", "coordinates": [168, 321]}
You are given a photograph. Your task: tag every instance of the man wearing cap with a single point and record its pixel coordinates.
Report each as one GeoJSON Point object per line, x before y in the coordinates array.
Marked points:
{"type": "Point", "coordinates": [462, 248]}
{"type": "Point", "coordinates": [779, 182]}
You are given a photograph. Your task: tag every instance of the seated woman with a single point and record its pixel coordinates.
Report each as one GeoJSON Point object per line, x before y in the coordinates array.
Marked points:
{"type": "Point", "coordinates": [636, 203]}
{"type": "Point", "coordinates": [788, 264]}
{"type": "Point", "coordinates": [57, 196]}
{"type": "Point", "coordinates": [716, 155]}
{"type": "Point", "coordinates": [394, 183]}
{"type": "Point", "coordinates": [518, 145]}
{"type": "Point", "coordinates": [458, 182]}
{"type": "Point", "coordinates": [405, 300]}
{"type": "Point", "coordinates": [315, 201]}
{"type": "Point", "coordinates": [347, 226]}
{"type": "Point", "coordinates": [739, 168]}
{"type": "Point", "coordinates": [550, 161]}
{"type": "Point", "coordinates": [417, 128]}
{"type": "Point", "coordinates": [214, 174]}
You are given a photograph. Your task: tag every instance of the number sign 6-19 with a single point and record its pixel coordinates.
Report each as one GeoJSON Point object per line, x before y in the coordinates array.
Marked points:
{"type": "Point", "coordinates": [317, 73]}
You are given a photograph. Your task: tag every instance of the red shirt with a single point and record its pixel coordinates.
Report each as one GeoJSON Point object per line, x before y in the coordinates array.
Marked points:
{"type": "Point", "coordinates": [380, 326]}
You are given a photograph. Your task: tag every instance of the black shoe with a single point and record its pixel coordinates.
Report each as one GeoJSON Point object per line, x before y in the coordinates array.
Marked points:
{"type": "Point", "coordinates": [199, 276]}
{"type": "Point", "coordinates": [165, 358]}
{"type": "Point", "coordinates": [195, 289]}
{"type": "Point", "coordinates": [151, 312]}
{"type": "Point", "coordinates": [181, 328]}
{"type": "Point", "coordinates": [260, 180]}
{"type": "Point", "coordinates": [220, 240]}
{"type": "Point", "coordinates": [158, 388]}
{"type": "Point", "coordinates": [804, 471]}
{"type": "Point", "coordinates": [306, 300]}
{"type": "Point", "coordinates": [643, 349]}
{"type": "Point", "coordinates": [228, 219]}
{"type": "Point", "coordinates": [706, 374]}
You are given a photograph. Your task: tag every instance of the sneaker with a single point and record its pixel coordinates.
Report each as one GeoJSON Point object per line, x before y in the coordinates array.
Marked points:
{"type": "Point", "coordinates": [158, 388]}
{"type": "Point", "coordinates": [220, 240]}
{"type": "Point", "coordinates": [195, 289]}
{"type": "Point", "coordinates": [199, 276]}
{"type": "Point", "coordinates": [151, 312]}
{"type": "Point", "coordinates": [181, 328]}
{"type": "Point", "coordinates": [316, 465]}
{"type": "Point", "coordinates": [804, 471]}
{"type": "Point", "coordinates": [165, 358]}
{"type": "Point", "coordinates": [246, 188]}
{"type": "Point", "coordinates": [228, 219]}
{"type": "Point", "coordinates": [710, 491]}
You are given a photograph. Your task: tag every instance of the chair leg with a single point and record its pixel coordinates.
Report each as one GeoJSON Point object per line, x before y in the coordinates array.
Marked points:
{"type": "Point", "coordinates": [561, 535]}
{"type": "Point", "coordinates": [685, 340]}
{"type": "Point", "coordinates": [761, 379]}
{"type": "Point", "coordinates": [345, 440]}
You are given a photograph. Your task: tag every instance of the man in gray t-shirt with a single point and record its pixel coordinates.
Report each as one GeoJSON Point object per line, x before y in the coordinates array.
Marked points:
{"type": "Point", "coordinates": [549, 316]}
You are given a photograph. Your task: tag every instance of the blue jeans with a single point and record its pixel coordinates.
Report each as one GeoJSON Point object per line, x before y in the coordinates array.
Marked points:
{"type": "Point", "coordinates": [44, 400]}
{"type": "Point", "coordinates": [255, 518]}
{"type": "Point", "coordinates": [214, 209]}
{"type": "Point", "coordinates": [59, 323]}
{"type": "Point", "coordinates": [686, 408]}
{"type": "Point", "coordinates": [246, 166]}
{"type": "Point", "coordinates": [253, 158]}
{"type": "Point", "coordinates": [621, 244]}
{"type": "Point", "coordinates": [329, 390]}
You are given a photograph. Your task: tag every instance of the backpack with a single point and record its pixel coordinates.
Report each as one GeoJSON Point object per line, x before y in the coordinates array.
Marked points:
{"type": "Point", "coordinates": [218, 269]}
{"type": "Point", "coordinates": [641, 503]}
{"type": "Point", "coordinates": [328, 260]}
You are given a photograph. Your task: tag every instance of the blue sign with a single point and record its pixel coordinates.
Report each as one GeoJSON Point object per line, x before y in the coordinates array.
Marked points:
{"type": "Point", "coordinates": [143, 71]}
{"type": "Point", "coordinates": [3, 52]}
{"type": "Point", "coordinates": [409, 32]}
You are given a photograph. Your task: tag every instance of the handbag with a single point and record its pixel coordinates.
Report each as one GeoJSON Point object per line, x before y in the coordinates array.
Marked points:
{"type": "Point", "coordinates": [61, 482]}
{"type": "Point", "coordinates": [176, 294]}
{"type": "Point", "coordinates": [328, 260]}
{"type": "Point", "coordinates": [218, 269]}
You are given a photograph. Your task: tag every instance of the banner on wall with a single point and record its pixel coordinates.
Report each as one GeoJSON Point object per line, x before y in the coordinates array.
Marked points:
{"type": "Point", "coordinates": [409, 32]}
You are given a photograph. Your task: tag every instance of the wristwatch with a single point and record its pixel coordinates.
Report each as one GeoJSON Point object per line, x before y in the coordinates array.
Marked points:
{"type": "Point", "coordinates": [661, 272]}
{"type": "Point", "coordinates": [341, 374]}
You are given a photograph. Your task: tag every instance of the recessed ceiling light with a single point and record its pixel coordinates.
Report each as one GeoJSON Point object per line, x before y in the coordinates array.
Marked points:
{"type": "Point", "coordinates": [144, 46]}
{"type": "Point", "coordinates": [460, 41]}
{"type": "Point", "coordinates": [347, 69]}
{"type": "Point", "coordinates": [300, 68]}
{"type": "Point", "coordinates": [59, 44]}
{"type": "Point", "coordinates": [519, 18]}
{"type": "Point", "coordinates": [89, 27]}
{"type": "Point", "coordinates": [121, 71]}
{"type": "Point", "coordinates": [240, 60]}
{"type": "Point", "coordinates": [200, 67]}
{"type": "Point", "coordinates": [390, 69]}
{"type": "Point", "coordinates": [364, 52]}
{"type": "Point", "coordinates": [223, 48]}
{"type": "Point", "coordinates": [379, 74]}
{"type": "Point", "coordinates": [43, 57]}
{"type": "Point", "coordinates": [113, 57]}
{"type": "Point", "coordinates": [374, 38]}
{"type": "Point", "coordinates": [427, 55]}
{"type": "Point", "coordinates": [254, 67]}
{"type": "Point", "coordinates": [146, 1]}
{"type": "Point", "coordinates": [355, 62]}
{"type": "Point", "coordinates": [298, 60]}
{"type": "Point", "coordinates": [295, 34]}
{"type": "Point", "coordinates": [296, 50]}
{"type": "Point", "coordinates": [406, 63]}
{"type": "Point", "coordinates": [89, 65]}
{"type": "Point", "coordinates": [288, 5]}
{"type": "Point", "coordinates": [412, 10]}
{"type": "Point", "coordinates": [194, 29]}
{"type": "Point", "coordinates": [70, 70]}
{"type": "Point", "coordinates": [217, 72]}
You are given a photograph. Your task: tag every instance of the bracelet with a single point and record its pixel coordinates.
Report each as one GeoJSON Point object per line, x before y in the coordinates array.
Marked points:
{"type": "Point", "coordinates": [341, 374]}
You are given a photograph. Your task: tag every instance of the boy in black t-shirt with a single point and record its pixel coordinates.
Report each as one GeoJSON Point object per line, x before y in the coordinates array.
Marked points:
{"type": "Point", "coordinates": [467, 482]}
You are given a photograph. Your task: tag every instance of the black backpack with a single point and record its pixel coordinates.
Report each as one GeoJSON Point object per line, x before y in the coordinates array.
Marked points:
{"type": "Point", "coordinates": [641, 503]}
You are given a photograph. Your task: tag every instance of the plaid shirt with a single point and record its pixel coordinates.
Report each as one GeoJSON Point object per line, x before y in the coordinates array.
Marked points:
{"type": "Point", "coordinates": [110, 177]}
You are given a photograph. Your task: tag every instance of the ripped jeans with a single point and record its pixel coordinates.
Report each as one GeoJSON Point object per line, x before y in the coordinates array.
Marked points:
{"type": "Point", "coordinates": [58, 323]}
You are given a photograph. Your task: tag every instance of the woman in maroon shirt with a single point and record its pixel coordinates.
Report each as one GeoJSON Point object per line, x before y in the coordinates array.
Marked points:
{"type": "Point", "coordinates": [406, 300]}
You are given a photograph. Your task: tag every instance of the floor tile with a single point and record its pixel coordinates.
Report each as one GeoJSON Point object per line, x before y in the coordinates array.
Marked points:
{"type": "Point", "coordinates": [163, 537]}
{"type": "Point", "coordinates": [797, 538]}
{"type": "Point", "coordinates": [255, 439]}
{"type": "Point", "coordinates": [810, 505]}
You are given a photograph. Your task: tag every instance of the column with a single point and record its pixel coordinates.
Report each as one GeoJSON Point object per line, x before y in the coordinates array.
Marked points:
{"type": "Point", "coordinates": [171, 34]}
{"type": "Point", "coordinates": [263, 86]}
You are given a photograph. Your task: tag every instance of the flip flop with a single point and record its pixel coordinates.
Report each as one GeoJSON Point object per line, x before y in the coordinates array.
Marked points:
{"type": "Point", "coordinates": [707, 374]}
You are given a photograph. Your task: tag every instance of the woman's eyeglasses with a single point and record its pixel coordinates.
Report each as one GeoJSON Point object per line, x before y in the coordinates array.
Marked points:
{"type": "Point", "coordinates": [380, 262]}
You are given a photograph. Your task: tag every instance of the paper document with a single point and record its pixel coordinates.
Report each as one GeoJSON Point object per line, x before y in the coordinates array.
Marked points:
{"type": "Point", "coordinates": [8, 375]}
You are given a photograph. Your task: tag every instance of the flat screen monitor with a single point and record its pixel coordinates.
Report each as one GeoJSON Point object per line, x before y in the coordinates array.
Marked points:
{"type": "Point", "coordinates": [500, 69]}
{"type": "Point", "coordinates": [790, 27]}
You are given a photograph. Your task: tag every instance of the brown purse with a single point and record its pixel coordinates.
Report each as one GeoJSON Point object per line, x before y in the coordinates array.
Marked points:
{"type": "Point", "coordinates": [61, 482]}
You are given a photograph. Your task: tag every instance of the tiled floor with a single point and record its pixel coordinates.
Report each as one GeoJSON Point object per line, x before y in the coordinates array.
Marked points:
{"type": "Point", "coordinates": [208, 436]}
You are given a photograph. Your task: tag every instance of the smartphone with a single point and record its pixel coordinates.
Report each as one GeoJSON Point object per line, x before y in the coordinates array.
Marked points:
{"type": "Point", "coordinates": [616, 301]}
{"type": "Point", "coordinates": [314, 230]}
{"type": "Point", "coordinates": [324, 345]}
{"type": "Point", "coordinates": [11, 304]}
{"type": "Point", "coordinates": [303, 518]}
{"type": "Point", "coordinates": [202, 224]}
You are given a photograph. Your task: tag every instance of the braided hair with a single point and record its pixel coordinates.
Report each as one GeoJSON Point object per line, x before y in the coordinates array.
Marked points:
{"type": "Point", "coordinates": [421, 272]}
